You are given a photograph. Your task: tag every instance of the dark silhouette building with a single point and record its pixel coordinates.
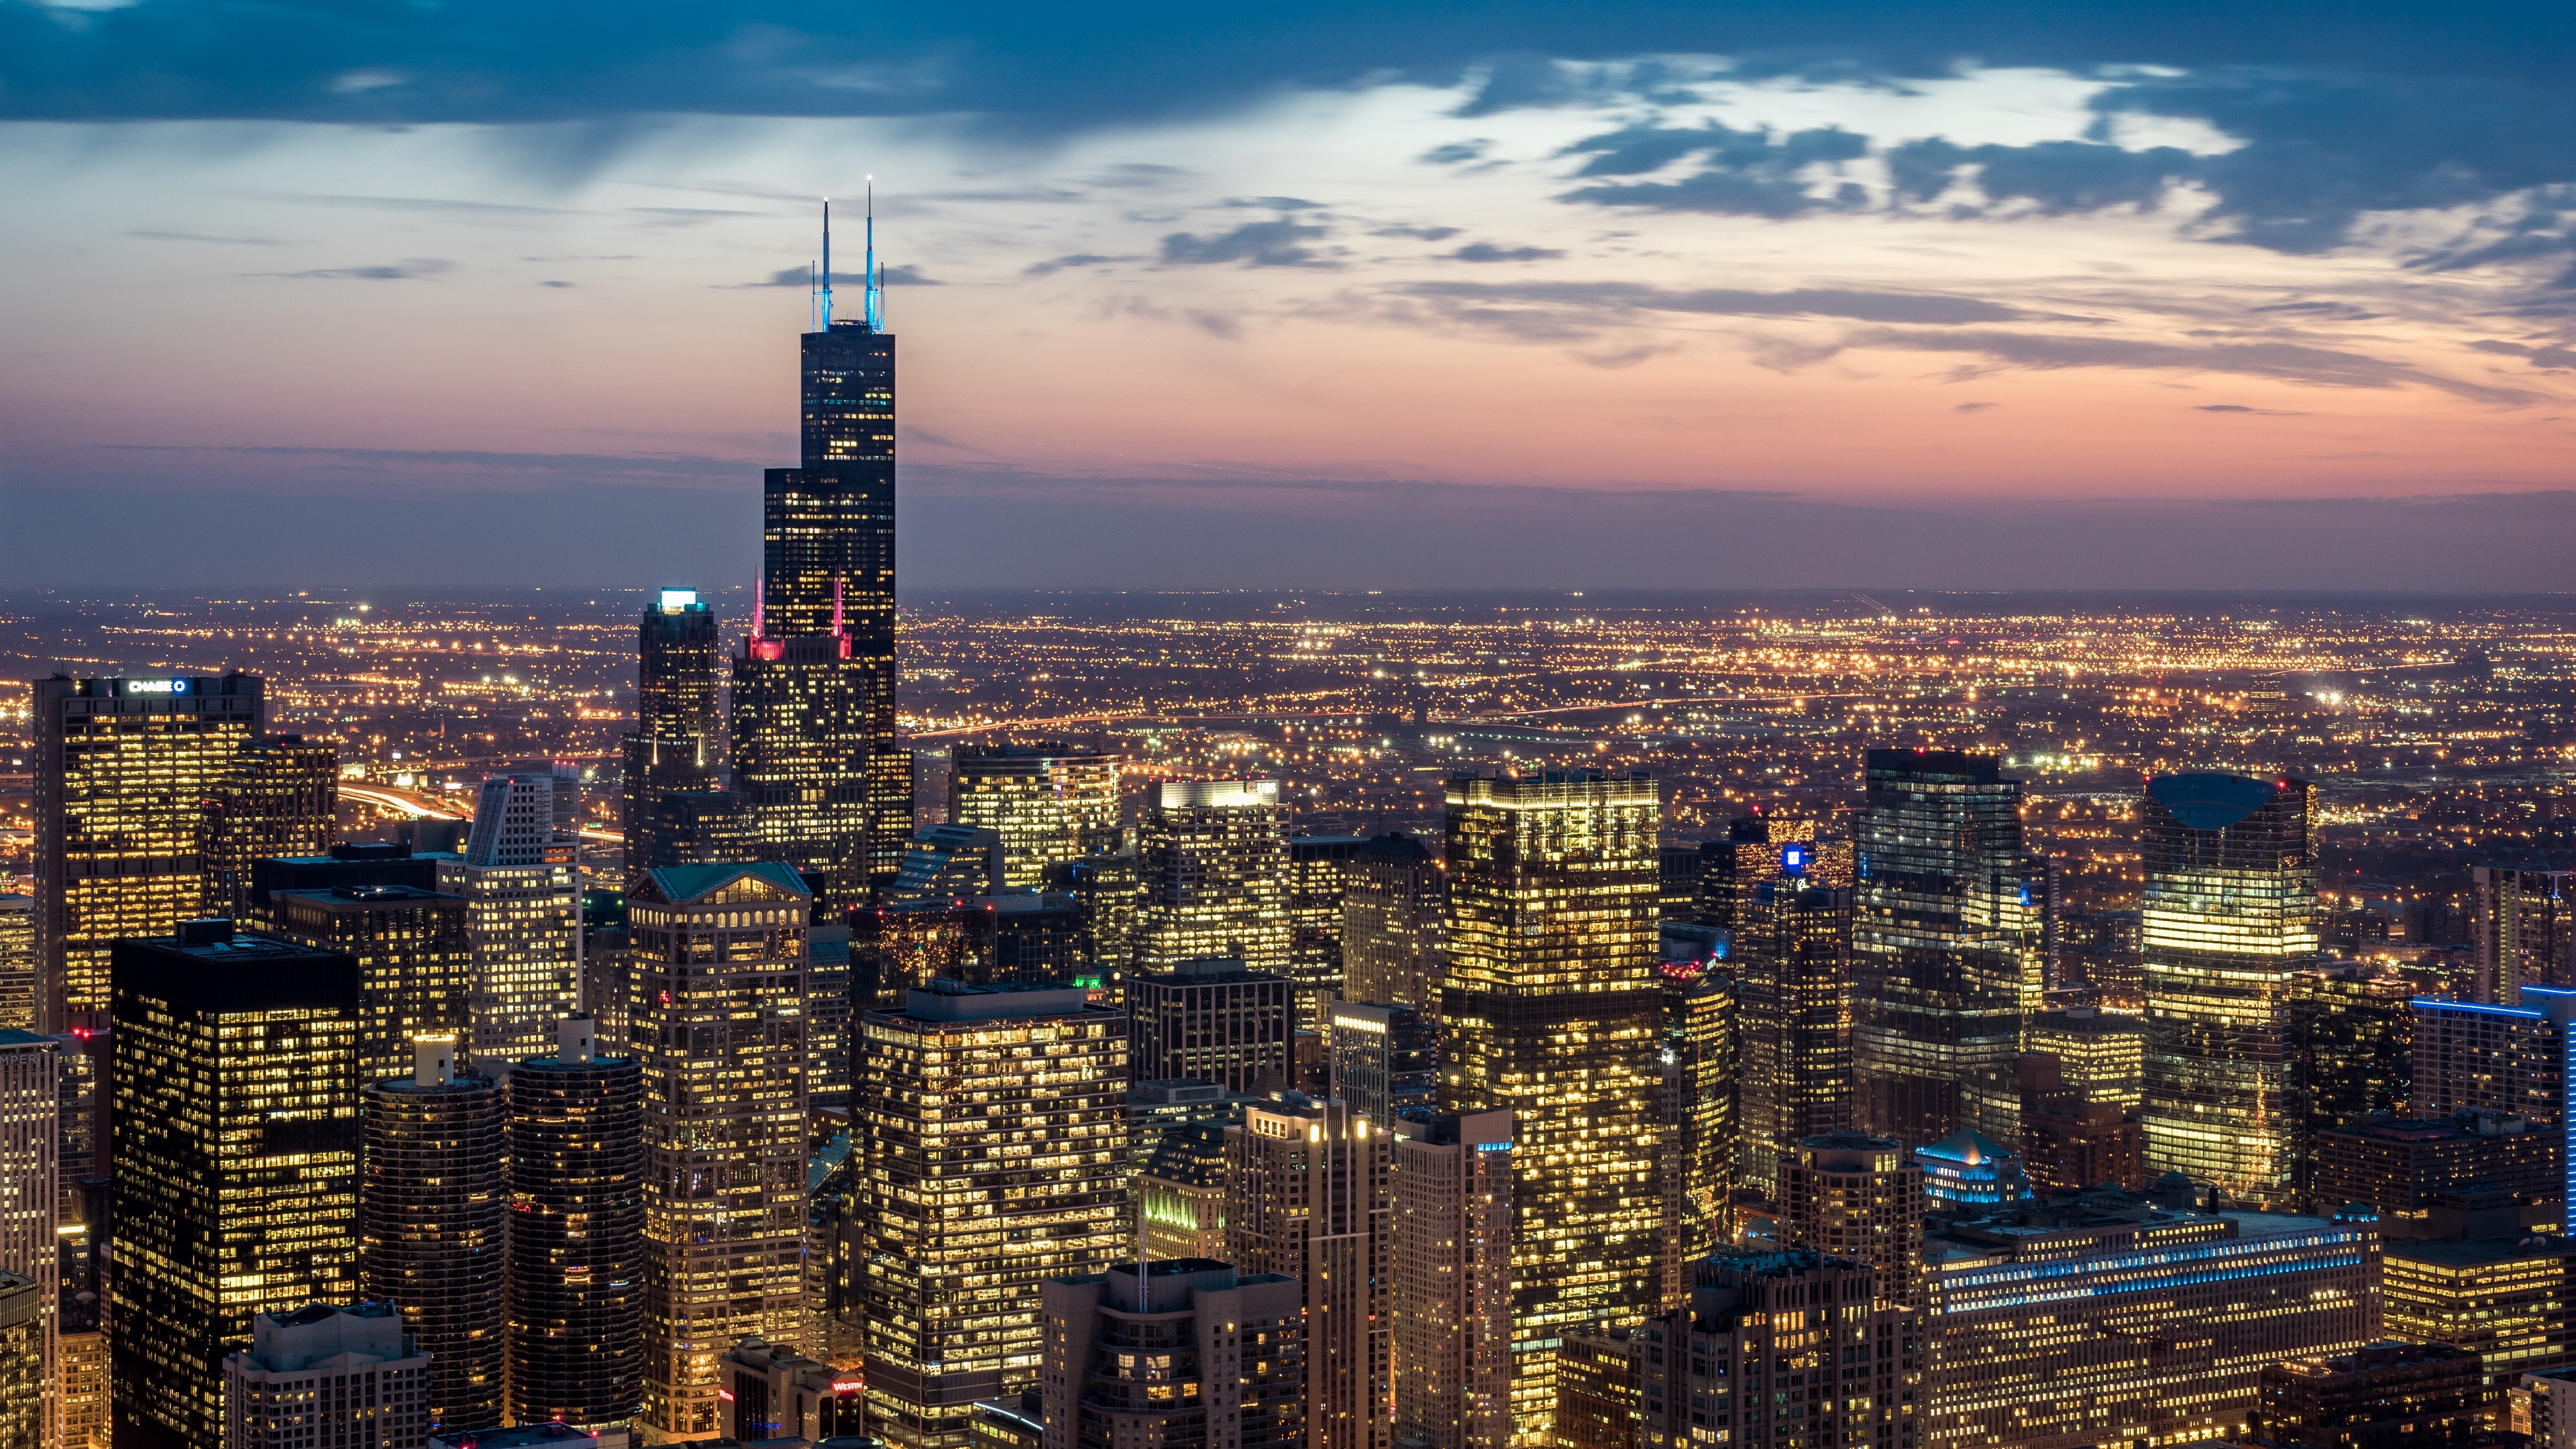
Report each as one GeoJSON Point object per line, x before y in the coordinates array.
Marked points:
{"type": "Point", "coordinates": [415, 962]}
{"type": "Point", "coordinates": [1212, 1021]}
{"type": "Point", "coordinates": [2421, 1395]}
{"type": "Point", "coordinates": [678, 739]}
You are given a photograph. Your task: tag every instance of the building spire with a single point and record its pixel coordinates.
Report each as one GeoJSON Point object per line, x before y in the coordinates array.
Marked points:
{"type": "Point", "coordinates": [875, 285]}
{"type": "Point", "coordinates": [827, 264]}
{"type": "Point", "coordinates": [756, 602]}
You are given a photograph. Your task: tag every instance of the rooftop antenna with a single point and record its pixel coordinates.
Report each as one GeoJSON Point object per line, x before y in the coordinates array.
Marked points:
{"type": "Point", "coordinates": [813, 302]}
{"type": "Point", "coordinates": [836, 603]}
{"type": "Point", "coordinates": [756, 602]}
{"type": "Point", "coordinates": [827, 264]}
{"type": "Point", "coordinates": [876, 288]}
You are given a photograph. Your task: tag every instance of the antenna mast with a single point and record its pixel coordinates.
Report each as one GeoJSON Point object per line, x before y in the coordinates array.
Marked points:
{"type": "Point", "coordinates": [875, 286]}
{"type": "Point", "coordinates": [827, 264]}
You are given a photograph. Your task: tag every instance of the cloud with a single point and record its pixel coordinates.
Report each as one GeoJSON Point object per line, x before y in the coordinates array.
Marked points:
{"type": "Point", "coordinates": [1278, 243]}
{"type": "Point", "coordinates": [1743, 173]}
{"type": "Point", "coordinates": [664, 465]}
{"type": "Point", "coordinates": [1630, 297]}
{"type": "Point", "coordinates": [2287, 361]}
{"type": "Point", "coordinates": [2549, 357]}
{"type": "Point", "coordinates": [1419, 233]}
{"type": "Point", "coordinates": [2241, 409]}
{"type": "Point", "coordinates": [1488, 252]}
{"type": "Point", "coordinates": [1975, 407]}
{"type": "Point", "coordinates": [191, 236]}
{"type": "Point", "coordinates": [1275, 203]}
{"type": "Point", "coordinates": [1454, 152]}
{"type": "Point", "coordinates": [889, 276]}
{"type": "Point", "coordinates": [2054, 177]}
{"type": "Point", "coordinates": [410, 269]}
{"type": "Point", "coordinates": [554, 284]}
{"type": "Point", "coordinates": [1078, 259]}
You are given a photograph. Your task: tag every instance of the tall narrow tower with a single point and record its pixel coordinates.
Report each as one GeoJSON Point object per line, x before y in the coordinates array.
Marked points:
{"type": "Point", "coordinates": [825, 779]}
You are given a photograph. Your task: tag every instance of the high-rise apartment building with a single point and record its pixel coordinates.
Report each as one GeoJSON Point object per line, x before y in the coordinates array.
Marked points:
{"type": "Point", "coordinates": [1792, 953]}
{"type": "Point", "coordinates": [993, 1126]}
{"type": "Point", "coordinates": [575, 1288]}
{"type": "Point", "coordinates": [678, 741]}
{"type": "Point", "coordinates": [1941, 976]}
{"type": "Point", "coordinates": [433, 1196]}
{"type": "Point", "coordinates": [2465, 1056]}
{"type": "Point", "coordinates": [123, 771]}
{"type": "Point", "coordinates": [1452, 1241]}
{"type": "Point", "coordinates": [1211, 1020]}
{"type": "Point", "coordinates": [1213, 855]}
{"type": "Point", "coordinates": [2228, 919]}
{"type": "Point", "coordinates": [1180, 1355]}
{"type": "Point", "coordinates": [236, 1158]}
{"type": "Point", "coordinates": [30, 1079]}
{"type": "Point", "coordinates": [1051, 804]}
{"type": "Point", "coordinates": [1319, 878]}
{"type": "Point", "coordinates": [324, 1374]}
{"type": "Point", "coordinates": [279, 799]}
{"type": "Point", "coordinates": [1384, 1060]}
{"type": "Point", "coordinates": [825, 779]}
{"type": "Point", "coordinates": [17, 961]}
{"type": "Point", "coordinates": [415, 953]}
{"type": "Point", "coordinates": [2104, 1319]}
{"type": "Point", "coordinates": [1393, 948]}
{"type": "Point", "coordinates": [2352, 1038]}
{"type": "Point", "coordinates": [1554, 1015]}
{"type": "Point", "coordinates": [2522, 924]}
{"type": "Point", "coordinates": [1859, 1198]}
{"type": "Point", "coordinates": [521, 884]}
{"type": "Point", "coordinates": [718, 1025]}
{"type": "Point", "coordinates": [1309, 1197]}
{"type": "Point", "coordinates": [1784, 1350]}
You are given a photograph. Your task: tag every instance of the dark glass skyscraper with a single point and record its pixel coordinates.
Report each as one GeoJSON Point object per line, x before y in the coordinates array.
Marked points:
{"type": "Point", "coordinates": [1937, 947]}
{"type": "Point", "coordinates": [678, 727]}
{"type": "Point", "coordinates": [826, 782]}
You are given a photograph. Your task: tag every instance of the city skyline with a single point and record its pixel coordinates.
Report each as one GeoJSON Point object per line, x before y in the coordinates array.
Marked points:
{"type": "Point", "coordinates": [1931, 302]}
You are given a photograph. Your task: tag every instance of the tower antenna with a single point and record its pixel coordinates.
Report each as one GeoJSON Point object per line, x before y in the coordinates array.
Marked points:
{"type": "Point", "coordinates": [876, 288]}
{"type": "Point", "coordinates": [827, 264]}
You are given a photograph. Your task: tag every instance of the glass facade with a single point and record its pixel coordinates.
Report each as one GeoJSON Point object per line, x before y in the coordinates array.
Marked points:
{"type": "Point", "coordinates": [123, 770]}
{"type": "Point", "coordinates": [1942, 973]}
{"type": "Point", "coordinates": [717, 1024]}
{"type": "Point", "coordinates": [678, 740]}
{"type": "Point", "coordinates": [415, 962]}
{"type": "Point", "coordinates": [523, 922]}
{"type": "Point", "coordinates": [280, 799]}
{"type": "Point", "coordinates": [2227, 920]}
{"type": "Point", "coordinates": [1554, 1015]}
{"type": "Point", "coordinates": [1213, 856]}
{"type": "Point", "coordinates": [2523, 926]}
{"type": "Point", "coordinates": [1051, 805]}
{"type": "Point", "coordinates": [1792, 953]}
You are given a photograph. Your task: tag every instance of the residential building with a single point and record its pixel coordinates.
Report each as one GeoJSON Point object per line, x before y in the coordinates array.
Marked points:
{"type": "Point", "coordinates": [576, 1240]}
{"type": "Point", "coordinates": [1553, 1014]}
{"type": "Point", "coordinates": [1452, 1241]}
{"type": "Point", "coordinates": [223, 1041]}
{"type": "Point", "coordinates": [433, 1196]}
{"type": "Point", "coordinates": [1308, 1197]}
{"type": "Point", "coordinates": [1857, 1198]}
{"type": "Point", "coordinates": [992, 1123]}
{"type": "Point", "coordinates": [1181, 1355]}
{"type": "Point", "coordinates": [326, 1374]}
{"type": "Point", "coordinates": [718, 1028]}
{"type": "Point", "coordinates": [1597, 1398]}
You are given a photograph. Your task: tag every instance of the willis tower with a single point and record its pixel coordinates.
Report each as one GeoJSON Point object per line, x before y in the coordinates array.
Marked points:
{"type": "Point", "coordinates": [826, 783]}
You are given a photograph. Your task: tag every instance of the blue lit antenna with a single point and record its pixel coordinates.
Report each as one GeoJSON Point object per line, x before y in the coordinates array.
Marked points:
{"type": "Point", "coordinates": [876, 287]}
{"type": "Point", "coordinates": [827, 264]}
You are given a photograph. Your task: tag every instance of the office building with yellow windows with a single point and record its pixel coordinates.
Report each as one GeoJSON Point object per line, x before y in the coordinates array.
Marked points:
{"type": "Point", "coordinates": [1050, 803]}
{"type": "Point", "coordinates": [1213, 855]}
{"type": "Point", "coordinates": [718, 1030]}
{"type": "Point", "coordinates": [2227, 923]}
{"type": "Point", "coordinates": [1554, 1015]}
{"type": "Point", "coordinates": [992, 1120]}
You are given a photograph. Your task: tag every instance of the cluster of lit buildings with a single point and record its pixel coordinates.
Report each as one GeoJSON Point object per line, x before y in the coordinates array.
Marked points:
{"type": "Point", "coordinates": [1108, 1109]}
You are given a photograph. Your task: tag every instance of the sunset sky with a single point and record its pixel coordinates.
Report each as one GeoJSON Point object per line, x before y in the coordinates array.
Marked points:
{"type": "Point", "coordinates": [1850, 295]}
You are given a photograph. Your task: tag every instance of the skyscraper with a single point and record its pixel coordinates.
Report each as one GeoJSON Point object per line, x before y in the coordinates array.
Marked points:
{"type": "Point", "coordinates": [1453, 1280]}
{"type": "Point", "coordinates": [993, 1121]}
{"type": "Point", "coordinates": [1319, 878]}
{"type": "Point", "coordinates": [1179, 1355]}
{"type": "Point", "coordinates": [1940, 971]}
{"type": "Point", "coordinates": [1792, 946]}
{"type": "Point", "coordinates": [678, 741]}
{"type": "Point", "coordinates": [2523, 925]}
{"type": "Point", "coordinates": [236, 1158]}
{"type": "Point", "coordinates": [1703, 1036]}
{"type": "Point", "coordinates": [123, 771]}
{"type": "Point", "coordinates": [522, 891]}
{"type": "Point", "coordinates": [1214, 857]}
{"type": "Point", "coordinates": [281, 798]}
{"type": "Point", "coordinates": [826, 782]}
{"type": "Point", "coordinates": [415, 953]}
{"type": "Point", "coordinates": [719, 1028]}
{"type": "Point", "coordinates": [575, 1289]}
{"type": "Point", "coordinates": [1051, 804]}
{"type": "Point", "coordinates": [1554, 1015]}
{"type": "Point", "coordinates": [1856, 1197]}
{"type": "Point", "coordinates": [1383, 1060]}
{"type": "Point", "coordinates": [17, 961]}
{"type": "Point", "coordinates": [1308, 1196]}
{"type": "Point", "coordinates": [324, 1374]}
{"type": "Point", "coordinates": [30, 1074]}
{"type": "Point", "coordinates": [2228, 919]}
{"type": "Point", "coordinates": [1392, 949]}
{"type": "Point", "coordinates": [1210, 1020]}
{"type": "Point", "coordinates": [2352, 1038]}
{"type": "Point", "coordinates": [432, 1198]}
